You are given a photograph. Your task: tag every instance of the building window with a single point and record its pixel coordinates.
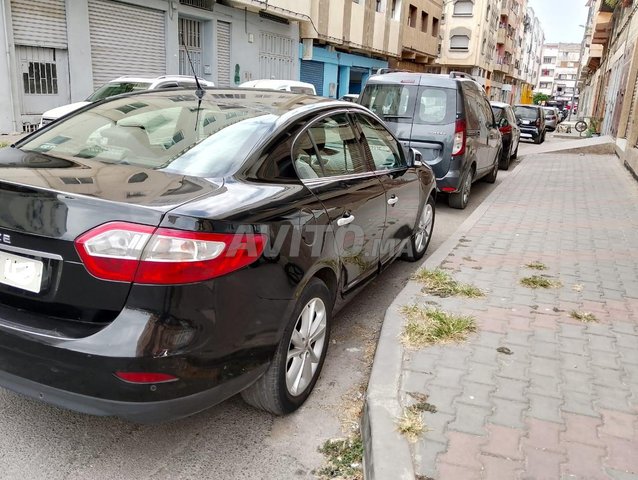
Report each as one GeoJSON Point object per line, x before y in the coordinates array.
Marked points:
{"type": "Point", "coordinates": [463, 8]}
{"type": "Point", "coordinates": [203, 4]}
{"type": "Point", "coordinates": [412, 16]}
{"type": "Point", "coordinates": [396, 9]}
{"type": "Point", "coordinates": [549, 59]}
{"type": "Point", "coordinates": [379, 6]}
{"type": "Point", "coordinates": [435, 27]}
{"type": "Point", "coordinates": [459, 42]}
{"type": "Point", "coordinates": [424, 22]}
{"type": "Point", "coordinates": [41, 79]}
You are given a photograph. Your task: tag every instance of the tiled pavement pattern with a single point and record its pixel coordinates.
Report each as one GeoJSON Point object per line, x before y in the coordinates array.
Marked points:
{"type": "Point", "coordinates": [564, 404]}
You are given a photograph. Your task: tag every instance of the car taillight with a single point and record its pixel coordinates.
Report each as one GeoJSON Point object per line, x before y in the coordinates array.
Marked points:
{"type": "Point", "coordinates": [129, 252]}
{"type": "Point", "coordinates": [460, 133]}
{"type": "Point", "coordinates": [507, 129]}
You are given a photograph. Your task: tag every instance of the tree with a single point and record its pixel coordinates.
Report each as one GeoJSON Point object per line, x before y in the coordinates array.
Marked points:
{"type": "Point", "coordinates": [539, 98]}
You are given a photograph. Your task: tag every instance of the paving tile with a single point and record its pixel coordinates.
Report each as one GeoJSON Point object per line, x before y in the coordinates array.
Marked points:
{"type": "Point", "coordinates": [619, 424]}
{"type": "Point", "coordinates": [622, 453]}
{"type": "Point", "coordinates": [581, 429]}
{"type": "Point", "coordinates": [541, 464]}
{"type": "Point", "coordinates": [463, 450]}
{"type": "Point", "coordinates": [426, 453]}
{"type": "Point", "coordinates": [470, 419]}
{"type": "Point", "coordinates": [545, 408]}
{"type": "Point", "coordinates": [543, 435]}
{"type": "Point", "coordinates": [583, 462]}
{"type": "Point", "coordinates": [503, 442]}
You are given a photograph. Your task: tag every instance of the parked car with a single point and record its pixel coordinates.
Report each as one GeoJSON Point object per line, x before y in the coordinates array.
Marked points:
{"type": "Point", "coordinates": [551, 118]}
{"type": "Point", "coordinates": [447, 118]}
{"type": "Point", "coordinates": [161, 252]}
{"type": "Point", "coordinates": [510, 132]}
{"type": "Point", "coordinates": [284, 85]}
{"type": "Point", "coordinates": [531, 120]}
{"type": "Point", "coordinates": [126, 84]}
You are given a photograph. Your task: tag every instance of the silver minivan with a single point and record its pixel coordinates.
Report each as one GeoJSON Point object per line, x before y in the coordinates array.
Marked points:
{"type": "Point", "coordinates": [448, 118]}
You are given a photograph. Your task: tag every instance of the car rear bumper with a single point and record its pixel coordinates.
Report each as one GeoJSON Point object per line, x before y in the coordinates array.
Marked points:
{"type": "Point", "coordinates": [528, 133]}
{"type": "Point", "coordinates": [139, 412]}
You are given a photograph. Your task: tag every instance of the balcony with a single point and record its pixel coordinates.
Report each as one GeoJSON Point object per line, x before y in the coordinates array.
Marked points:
{"type": "Point", "coordinates": [291, 10]}
{"type": "Point", "coordinates": [501, 36]}
{"type": "Point", "coordinates": [601, 28]}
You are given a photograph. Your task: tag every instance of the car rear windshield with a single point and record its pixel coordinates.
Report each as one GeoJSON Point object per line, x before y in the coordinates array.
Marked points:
{"type": "Point", "coordinates": [527, 113]}
{"type": "Point", "coordinates": [174, 133]}
{"type": "Point", "coordinates": [411, 104]}
{"type": "Point", "coordinates": [498, 113]}
{"type": "Point", "coordinates": [117, 88]}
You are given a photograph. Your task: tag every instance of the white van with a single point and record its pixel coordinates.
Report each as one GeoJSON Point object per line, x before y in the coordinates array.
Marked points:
{"type": "Point", "coordinates": [284, 85]}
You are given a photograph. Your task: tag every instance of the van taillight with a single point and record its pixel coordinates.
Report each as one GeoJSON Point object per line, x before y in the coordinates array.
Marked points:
{"type": "Point", "coordinates": [128, 252]}
{"type": "Point", "coordinates": [460, 135]}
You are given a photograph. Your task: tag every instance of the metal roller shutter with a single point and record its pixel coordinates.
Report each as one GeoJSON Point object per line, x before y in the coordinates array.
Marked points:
{"type": "Point", "coordinates": [633, 115]}
{"type": "Point", "coordinates": [39, 24]}
{"type": "Point", "coordinates": [223, 54]}
{"type": "Point", "coordinates": [126, 40]}
{"type": "Point", "coordinates": [312, 72]}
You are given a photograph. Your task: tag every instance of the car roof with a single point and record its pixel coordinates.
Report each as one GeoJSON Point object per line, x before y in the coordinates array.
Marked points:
{"type": "Point", "coordinates": [135, 78]}
{"type": "Point", "coordinates": [433, 79]}
{"type": "Point", "coordinates": [500, 104]}
{"type": "Point", "coordinates": [275, 84]}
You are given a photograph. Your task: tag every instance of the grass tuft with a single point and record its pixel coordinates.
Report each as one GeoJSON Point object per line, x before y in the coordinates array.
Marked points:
{"type": "Point", "coordinates": [586, 317]}
{"type": "Point", "coordinates": [537, 281]}
{"type": "Point", "coordinates": [345, 458]}
{"type": "Point", "coordinates": [440, 283]}
{"type": "Point", "coordinates": [537, 266]}
{"type": "Point", "coordinates": [411, 423]}
{"type": "Point", "coordinates": [429, 326]}
{"type": "Point", "coordinates": [3, 144]}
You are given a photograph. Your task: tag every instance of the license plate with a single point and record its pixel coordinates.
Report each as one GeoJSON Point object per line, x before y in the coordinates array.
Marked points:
{"type": "Point", "coordinates": [526, 135]}
{"type": "Point", "coordinates": [21, 272]}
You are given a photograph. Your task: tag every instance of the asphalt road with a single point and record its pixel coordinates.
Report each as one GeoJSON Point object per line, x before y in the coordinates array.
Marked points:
{"type": "Point", "coordinates": [231, 440]}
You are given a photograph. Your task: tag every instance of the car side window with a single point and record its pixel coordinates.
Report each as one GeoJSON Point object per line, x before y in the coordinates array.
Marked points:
{"type": "Point", "coordinates": [488, 112]}
{"type": "Point", "coordinates": [329, 148]}
{"type": "Point", "coordinates": [471, 110]}
{"type": "Point", "coordinates": [381, 144]}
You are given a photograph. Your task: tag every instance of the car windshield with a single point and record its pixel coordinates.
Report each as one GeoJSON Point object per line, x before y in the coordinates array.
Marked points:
{"type": "Point", "coordinates": [549, 111]}
{"type": "Point", "coordinates": [160, 131]}
{"type": "Point", "coordinates": [116, 88]}
{"type": "Point", "coordinates": [407, 104]}
{"type": "Point", "coordinates": [304, 90]}
{"type": "Point", "coordinates": [526, 113]}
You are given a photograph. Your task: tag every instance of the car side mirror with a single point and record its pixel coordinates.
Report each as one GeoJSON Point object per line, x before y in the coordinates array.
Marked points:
{"type": "Point", "coordinates": [415, 158]}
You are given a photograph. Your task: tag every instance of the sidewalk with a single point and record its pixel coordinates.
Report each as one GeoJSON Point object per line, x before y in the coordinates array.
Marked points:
{"type": "Point", "coordinates": [564, 403]}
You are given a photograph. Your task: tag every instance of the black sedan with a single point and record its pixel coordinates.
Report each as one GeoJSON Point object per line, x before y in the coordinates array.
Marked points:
{"type": "Point", "coordinates": [162, 251]}
{"type": "Point", "coordinates": [510, 132]}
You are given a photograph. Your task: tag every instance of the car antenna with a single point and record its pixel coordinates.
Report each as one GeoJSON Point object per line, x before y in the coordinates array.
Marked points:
{"type": "Point", "coordinates": [200, 91]}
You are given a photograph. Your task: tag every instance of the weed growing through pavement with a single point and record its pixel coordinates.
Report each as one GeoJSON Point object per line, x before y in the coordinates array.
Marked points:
{"type": "Point", "coordinates": [411, 423]}
{"type": "Point", "coordinates": [537, 281]}
{"type": "Point", "coordinates": [536, 266]}
{"type": "Point", "coordinates": [345, 458]}
{"type": "Point", "coordinates": [440, 283]}
{"type": "Point", "coordinates": [586, 317]}
{"type": "Point", "coordinates": [3, 144]}
{"type": "Point", "coordinates": [429, 326]}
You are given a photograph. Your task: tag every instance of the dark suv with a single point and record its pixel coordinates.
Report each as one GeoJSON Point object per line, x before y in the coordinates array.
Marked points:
{"type": "Point", "coordinates": [447, 118]}
{"type": "Point", "coordinates": [531, 119]}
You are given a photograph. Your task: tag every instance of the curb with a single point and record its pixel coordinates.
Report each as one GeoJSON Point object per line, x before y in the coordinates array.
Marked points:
{"type": "Point", "coordinates": [387, 454]}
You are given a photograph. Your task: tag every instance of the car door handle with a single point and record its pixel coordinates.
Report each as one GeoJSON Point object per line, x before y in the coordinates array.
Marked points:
{"type": "Point", "coordinates": [393, 200]}
{"type": "Point", "coordinates": [345, 220]}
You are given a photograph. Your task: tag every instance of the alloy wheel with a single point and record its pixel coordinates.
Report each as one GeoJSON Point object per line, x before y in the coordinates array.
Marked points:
{"type": "Point", "coordinates": [307, 343]}
{"type": "Point", "coordinates": [424, 230]}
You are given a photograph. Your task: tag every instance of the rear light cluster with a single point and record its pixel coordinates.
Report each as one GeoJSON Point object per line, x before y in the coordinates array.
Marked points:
{"type": "Point", "coordinates": [460, 137]}
{"type": "Point", "coordinates": [128, 252]}
{"type": "Point", "coordinates": [507, 129]}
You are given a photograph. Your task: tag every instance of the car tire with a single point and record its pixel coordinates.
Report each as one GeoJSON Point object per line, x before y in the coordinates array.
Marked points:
{"type": "Point", "coordinates": [280, 390]}
{"type": "Point", "coordinates": [504, 160]}
{"type": "Point", "coordinates": [461, 198]}
{"type": "Point", "coordinates": [515, 154]}
{"type": "Point", "coordinates": [420, 238]}
{"type": "Point", "coordinates": [491, 177]}
{"type": "Point", "coordinates": [539, 139]}
{"type": "Point", "coordinates": [543, 137]}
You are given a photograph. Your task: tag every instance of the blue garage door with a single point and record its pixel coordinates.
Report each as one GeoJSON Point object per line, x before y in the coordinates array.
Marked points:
{"type": "Point", "coordinates": [312, 72]}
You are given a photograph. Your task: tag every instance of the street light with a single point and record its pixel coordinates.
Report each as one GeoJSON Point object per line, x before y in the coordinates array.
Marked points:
{"type": "Point", "coordinates": [580, 66]}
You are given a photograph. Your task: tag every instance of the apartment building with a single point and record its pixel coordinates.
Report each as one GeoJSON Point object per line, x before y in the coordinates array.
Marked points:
{"type": "Point", "coordinates": [533, 40]}
{"type": "Point", "coordinates": [485, 38]}
{"type": "Point", "coordinates": [609, 77]}
{"type": "Point", "coordinates": [59, 51]}
{"type": "Point", "coordinates": [558, 72]}
{"type": "Point", "coordinates": [345, 41]}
